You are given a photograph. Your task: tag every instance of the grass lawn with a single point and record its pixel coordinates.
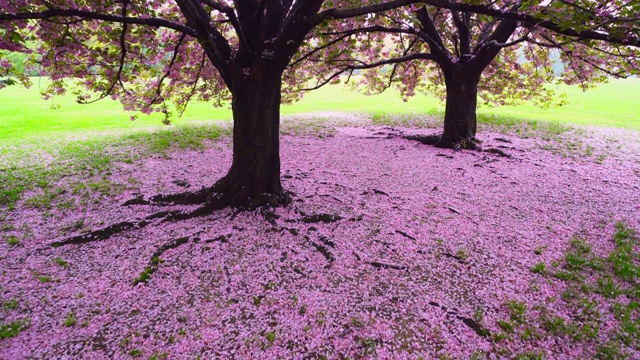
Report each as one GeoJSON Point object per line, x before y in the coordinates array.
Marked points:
{"type": "Point", "coordinates": [616, 104]}
{"type": "Point", "coordinates": [26, 115]}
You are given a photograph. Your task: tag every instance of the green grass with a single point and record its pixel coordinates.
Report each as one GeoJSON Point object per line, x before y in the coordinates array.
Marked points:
{"type": "Point", "coordinates": [614, 279]}
{"type": "Point", "coordinates": [12, 329]}
{"type": "Point", "coordinates": [25, 115]}
{"type": "Point", "coordinates": [615, 104]}
{"type": "Point", "coordinates": [61, 262]}
{"type": "Point", "coordinates": [23, 165]}
{"type": "Point", "coordinates": [70, 320]}
{"type": "Point", "coordinates": [12, 240]}
{"type": "Point", "coordinates": [538, 268]}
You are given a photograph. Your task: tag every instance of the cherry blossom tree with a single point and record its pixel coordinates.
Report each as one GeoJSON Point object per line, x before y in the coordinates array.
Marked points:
{"type": "Point", "coordinates": [147, 53]}
{"type": "Point", "coordinates": [502, 52]}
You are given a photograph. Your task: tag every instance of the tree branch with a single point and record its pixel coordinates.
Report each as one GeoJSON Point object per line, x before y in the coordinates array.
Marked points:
{"type": "Point", "coordinates": [89, 15]}
{"type": "Point", "coordinates": [364, 66]}
{"type": "Point", "coordinates": [123, 57]}
{"type": "Point", "coordinates": [461, 23]}
{"type": "Point", "coordinates": [212, 41]}
{"type": "Point", "coordinates": [362, 10]}
{"type": "Point", "coordinates": [430, 34]}
{"type": "Point", "coordinates": [347, 33]}
{"type": "Point", "coordinates": [231, 15]}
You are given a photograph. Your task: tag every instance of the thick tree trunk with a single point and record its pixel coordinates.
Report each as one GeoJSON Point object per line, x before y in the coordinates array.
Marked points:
{"type": "Point", "coordinates": [460, 121]}
{"type": "Point", "coordinates": [254, 177]}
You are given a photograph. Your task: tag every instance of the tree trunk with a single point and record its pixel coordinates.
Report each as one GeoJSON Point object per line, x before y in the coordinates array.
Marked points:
{"type": "Point", "coordinates": [254, 177]}
{"type": "Point", "coordinates": [460, 121]}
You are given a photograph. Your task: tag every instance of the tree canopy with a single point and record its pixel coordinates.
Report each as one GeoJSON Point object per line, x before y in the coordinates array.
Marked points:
{"type": "Point", "coordinates": [154, 55]}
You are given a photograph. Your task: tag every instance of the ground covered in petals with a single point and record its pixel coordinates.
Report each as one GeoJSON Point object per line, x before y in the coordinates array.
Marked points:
{"type": "Point", "coordinates": [390, 249]}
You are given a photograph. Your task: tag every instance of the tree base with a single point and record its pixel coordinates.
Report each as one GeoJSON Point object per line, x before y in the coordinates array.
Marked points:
{"type": "Point", "coordinates": [469, 143]}
{"type": "Point", "coordinates": [231, 193]}
{"type": "Point", "coordinates": [222, 194]}
{"type": "Point", "coordinates": [462, 143]}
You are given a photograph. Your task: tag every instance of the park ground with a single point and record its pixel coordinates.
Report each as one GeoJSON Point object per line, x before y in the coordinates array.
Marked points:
{"type": "Point", "coordinates": [390, 249]}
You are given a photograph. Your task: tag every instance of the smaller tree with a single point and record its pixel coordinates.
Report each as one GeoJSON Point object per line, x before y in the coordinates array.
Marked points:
{"type": "Point", "coordinates": [501, 53]}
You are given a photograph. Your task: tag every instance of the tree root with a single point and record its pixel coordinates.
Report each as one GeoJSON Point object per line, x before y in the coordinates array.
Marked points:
{"type": "Point", "coordinates": [221, 239]}
{"type": "Point", "coordinates": [406, 235]}
{"type": "Point", "coordinates": [446, 254]}
{"type": "Point", "coordinates": [474, 325]}
{"type": "Point", "coordinates": [322, 250]}
{"type": "Point", "coordinates": [261, 201]}
{"type": "Point", "coordinates": [269, 216]}
{"type": "Point", "coordinates": [280, 229]}
{"type": "Point", "coordinates": [182, 183]}
{"type": "Point", "coordinates": [159, 217]}
{"type": "Point", "coordinates": [497, 152]}
{"type": "Point", "coordinates": [375, 192]}
{"type": "Point", "coordinates": [424, 139]}
{"type": "Point", "coordinates": [317, 218]}
{"type": "Point", "coordinates": [101, 234]}
{"type": "Point", "coordinates": [380, 265]}
{"type": "Point", "coordinates": [183, 198]}
{"type": "Point", "coordinates": [469, 143]}
{"type": "Point", "coordinates": [325, 240]}
{"type": "Point", "coordinates": [455, 257]}
{"type": "Point", "coordinates": [223, 193]}
{"type": "Point", "coordinates": [503, 140]}
{"type": "Point", "coordinates": [211, 199]}
{"type": "Point", "coordinates": [155, 260]}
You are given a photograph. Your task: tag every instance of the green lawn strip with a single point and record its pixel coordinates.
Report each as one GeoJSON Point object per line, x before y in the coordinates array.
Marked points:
{"type": "Point", "coordinates": [25, 115]}
{"type": "Point", "coordinates": [86, 164]}
{"type": "Point", "coordinates": [614, 104]}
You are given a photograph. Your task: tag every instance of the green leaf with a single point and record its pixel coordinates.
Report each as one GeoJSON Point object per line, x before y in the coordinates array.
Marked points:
{"type": "Point", "coordinates": [16, 38]}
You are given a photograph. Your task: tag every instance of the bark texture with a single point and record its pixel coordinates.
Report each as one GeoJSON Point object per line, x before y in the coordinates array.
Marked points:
{"type": "Point", "coordinates": [254, 177]}
{"type": "Point", "coordinates": [460, 122]}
